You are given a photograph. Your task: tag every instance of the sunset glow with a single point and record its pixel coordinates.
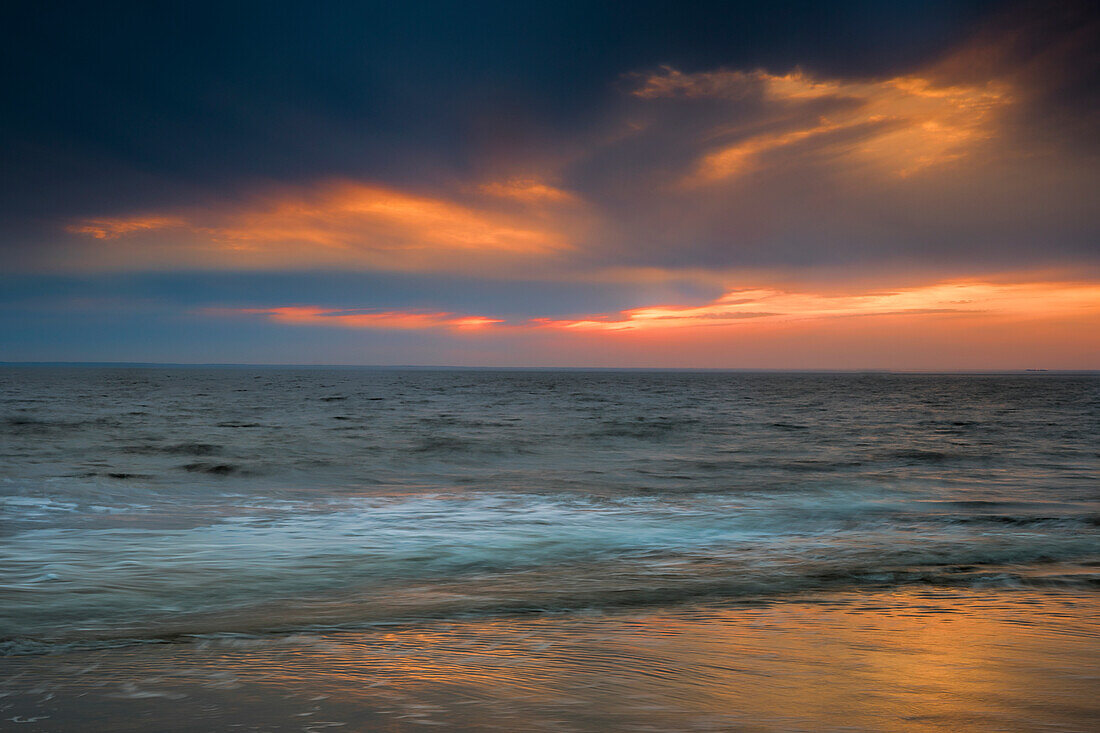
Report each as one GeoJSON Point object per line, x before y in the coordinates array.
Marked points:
{"type": "Point", "coordinates": [1036, 301]}
{"type": "Point", "coordinates": [902, 125]}
{"type": "Point", "coordinates": [343, 223]}
{"type": "Point", "coordinates": [666, 194]}
{"type": "Point", "coordinates": [947, 312]}
{"type": "Point", "coordinates": [308, 316]}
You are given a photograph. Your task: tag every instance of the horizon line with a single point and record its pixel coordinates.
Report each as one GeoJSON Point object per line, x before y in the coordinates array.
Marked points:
{"type": "Point", "coordinates": [539, 368]}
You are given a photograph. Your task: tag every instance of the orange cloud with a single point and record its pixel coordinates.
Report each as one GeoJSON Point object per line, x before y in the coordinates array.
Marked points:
{"type": "Point", "coordinates": [762, 306]}
{"type": "Point", "coordinates": [113, 228]}
{"type": "Point", "coordinates": [903, 124]}
{"type": "Point", "coordinates": [345, 223]}
{"type": "Point", "coordinates": [1027, 300]}
{"type": "Point", "coordinates": [528, 190]}
{"type": "Point", "coordinates": [342, 318]}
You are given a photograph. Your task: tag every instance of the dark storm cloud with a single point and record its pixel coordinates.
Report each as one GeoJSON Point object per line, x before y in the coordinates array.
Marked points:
{"type": "Point", "coordinates": [115, 107]}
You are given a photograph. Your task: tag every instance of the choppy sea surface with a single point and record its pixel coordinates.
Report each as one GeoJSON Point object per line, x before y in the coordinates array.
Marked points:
{"type": "Point", "coordinates": [158, 503]}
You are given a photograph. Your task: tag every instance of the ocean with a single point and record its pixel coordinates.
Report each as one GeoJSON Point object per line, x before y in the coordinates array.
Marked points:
{"type": "Point", "coordinates": [549, 550]}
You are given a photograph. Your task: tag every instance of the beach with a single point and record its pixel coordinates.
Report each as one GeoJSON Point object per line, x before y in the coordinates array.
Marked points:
{"type": "Point", "coordinates": [914, 660]}
{"type": "Point", "coordinates": [312, 549]}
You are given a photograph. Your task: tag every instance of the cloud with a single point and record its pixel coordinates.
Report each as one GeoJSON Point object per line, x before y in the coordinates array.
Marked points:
{"type": "Point", "coordinates": [348, 318]}
{"type": "Point", "coordinates": [344, 224]}
{"type": "Point", "coordinates": [761, 307]}
{"type": "Point", "coordinates": [526, 189]}
{"type": "Point", "coordinates": [901, 124]}
{"type": "Point", "coordinates": [946, 169]}
{"type": "Point", "coordinates": [996, 300]}
{"type": "Point", "coordinates": [113, 228]}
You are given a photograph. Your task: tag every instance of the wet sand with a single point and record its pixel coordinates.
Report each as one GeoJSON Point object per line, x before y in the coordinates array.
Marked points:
{"type": "Point", "coordinates": [910, 660]}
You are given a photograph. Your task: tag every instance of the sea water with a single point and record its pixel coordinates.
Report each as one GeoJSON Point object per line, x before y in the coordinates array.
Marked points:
{"type": "Point", "coordinates": [144, 504]}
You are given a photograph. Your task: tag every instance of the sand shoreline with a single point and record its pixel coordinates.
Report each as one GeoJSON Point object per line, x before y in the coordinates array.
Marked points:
{"type": "Point", "coordinates": [907, 660]}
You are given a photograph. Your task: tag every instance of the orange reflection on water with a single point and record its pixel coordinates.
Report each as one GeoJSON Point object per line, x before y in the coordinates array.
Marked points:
{"type": "Point", "coordinates": [907, 660]}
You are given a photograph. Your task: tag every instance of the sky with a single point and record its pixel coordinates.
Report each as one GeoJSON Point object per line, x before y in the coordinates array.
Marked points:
{"type": "Point", "coordinates": [782, 185]}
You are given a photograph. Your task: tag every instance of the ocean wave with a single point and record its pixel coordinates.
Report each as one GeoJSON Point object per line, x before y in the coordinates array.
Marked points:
{"type": "Point", "coordinates": [160, 502]}
{"type": "Point", "coordinates": [289, 564]}
{"type": "Point", "coordinates": [261, 621]}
